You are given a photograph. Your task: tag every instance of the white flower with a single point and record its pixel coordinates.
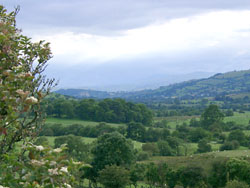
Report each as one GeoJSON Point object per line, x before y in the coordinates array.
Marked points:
{"type": "Point", "coordinates": [31, 100]}
{"type": "Point", "coordinates": [20, 91]}
{"type": "Point", "coordinates": [76, 163]}
{"type": "Point", "coordinates": [57, 150]}
{"type": "Point", "coordinates": [52, 163]}
{"type": "Point", "coordinates": [67, 185]}
{"type": "Point", "coordinates": [64, 169]}
{"type": "Point", "coordinates": [39, 148]}
{"type": "Point", "coordinates": [53, 171]}
{"type": "Point", "coordinates": [37, 163]}
{"type": "Point", "coordinates": [7, 187]}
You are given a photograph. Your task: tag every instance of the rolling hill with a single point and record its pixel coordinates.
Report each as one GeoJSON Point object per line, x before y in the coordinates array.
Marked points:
{"type": "Point", "coordinates": [235, 82]}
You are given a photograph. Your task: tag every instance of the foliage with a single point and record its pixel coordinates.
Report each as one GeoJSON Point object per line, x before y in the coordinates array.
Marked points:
{"type": "Point", "coordinates": [42, 140]}
{"type": "Point", "coordinates": [107, 110]}
{"type": "Point", "coordinates": [114, 177]}
{"type": "Point", "coordinates": [192, 177]}
{"type": "Point", "coordinates": [137, 173]}
{"type": "Point", "coordinates": [164, 148]}
{"type": "Point", "coordinates": [239, 136]}
{"type": "Point", "coordinates": [136, 131]}
{"type": "Point", "coordinates": [22, 88]}
{"type": "Point", "coordinates": [112, 149]}
{"type": "Point", "coordinates": [238, 169]}
{"type": "Point", "coordinates": [151, 148]}
{"type": "Point", "coordinates": [22, 84]}
{"type": "Point", "coordinates": [236, 184]}
{"type": "Point", "coordinates": [218, 174]}
{"type": "Point", "coordinates": [75, 147]}
{"type": "Point", "coordinates": [152, 174]}
{"type": "Point", "coordinates": [44, 168]}
{"type": "Point", "coordinates": [211, 115]}
{"type": "Point", "coordinates": [203, 146]}
{"type": "Point", "coordinates": [230, 145]}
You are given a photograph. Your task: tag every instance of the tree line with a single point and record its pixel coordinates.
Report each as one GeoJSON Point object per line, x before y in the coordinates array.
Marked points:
{"type": "Point", "coordinates": [107, 110]}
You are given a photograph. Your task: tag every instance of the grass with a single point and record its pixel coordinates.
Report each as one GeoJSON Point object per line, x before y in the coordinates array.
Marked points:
{"type": "Point", "coordinates": [87, 140]}
{"type": "Point", "coordinates": [66, 122]}
{"type": "Point", "coordinates": [239, 118]}
{"type": "Point", "coordinates": [175, 120]}
{"type": "Point", "coordinates": [204, 160]}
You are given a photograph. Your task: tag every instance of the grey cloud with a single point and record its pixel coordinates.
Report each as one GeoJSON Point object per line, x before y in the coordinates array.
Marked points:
{"type": "Point", "coordinates": [110, 16]}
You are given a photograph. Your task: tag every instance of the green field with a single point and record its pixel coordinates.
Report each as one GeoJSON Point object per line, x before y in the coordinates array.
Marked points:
{"type": "Point", "coordinates": [76, 121]}
{"type": "Point", "coordinates": [239, 118]}
{"type": "Point", "coordinates": [204, 160]}
{"type": "Point", "coordinates": [87, 140]}
{"type": "Point", "coordinates": [175, 120]}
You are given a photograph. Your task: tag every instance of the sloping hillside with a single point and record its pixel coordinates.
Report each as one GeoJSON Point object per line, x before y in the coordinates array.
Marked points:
{"type": "Point", "coordinates": [220, 84]}
{"type": "Point", "coordinates": [235, 82]}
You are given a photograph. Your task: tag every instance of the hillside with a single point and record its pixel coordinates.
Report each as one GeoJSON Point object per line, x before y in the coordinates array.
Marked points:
{"type": "Point", "coordinates": [236, 82]}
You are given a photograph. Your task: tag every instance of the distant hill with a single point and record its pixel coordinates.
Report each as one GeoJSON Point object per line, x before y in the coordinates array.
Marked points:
{"type": "Point", "coordinates": [84, 93]}
{"type": "Point", "coordinates": [235, 82]}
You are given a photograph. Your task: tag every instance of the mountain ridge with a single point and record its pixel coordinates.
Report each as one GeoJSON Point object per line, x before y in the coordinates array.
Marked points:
{"type": "Point", "coordinates": [219, 84]}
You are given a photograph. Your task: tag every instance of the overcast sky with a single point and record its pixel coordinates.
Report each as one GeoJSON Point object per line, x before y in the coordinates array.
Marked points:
{"type": "Point", "coordinates": [104, 43]}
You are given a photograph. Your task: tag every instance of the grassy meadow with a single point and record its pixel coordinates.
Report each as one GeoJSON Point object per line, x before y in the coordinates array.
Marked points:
{"type": "Point", "coordinates": [66, 122]}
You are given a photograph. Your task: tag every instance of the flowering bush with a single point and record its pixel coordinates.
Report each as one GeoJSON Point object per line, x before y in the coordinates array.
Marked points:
{"type": "Point", "coordinates": [22, 88]}
{"type": "Point", "coordinates": [43, 167]}
{"type": "Point", "coordinates": [22, 85]}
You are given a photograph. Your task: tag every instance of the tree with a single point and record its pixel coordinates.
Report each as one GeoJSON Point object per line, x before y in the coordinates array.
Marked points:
{"type": "Point", "coordinates": [239, 136]}
{"type": "Point", "coordinates": [198, 134]}
{"type": "Point", "coordinates": [218, 174]}
{"type": "Point", "coordinates": [75, 146]}
{"type": "Point", "coordinates": [164, 148]}
{"type": "Point", "coordinates": [22, 88]}
{"type": "Point", "coordinates": [174, 143]}
{"type": "Point", "coordinates": [22, 83]}
{"type": "Point", "coordinates": [238, 169]}
{"type": "Point", "coordinates": [172, 178]}
{"type": "Point", "coordinates": [152, 174]}
{"type": "Point", "coordinates": [192, 177]}
{"type": "Point", "coordinates": [203, 146]}
{"type": "Point", "coordinates": [236, 184]}
{"type": "Point", "coordinates": [151, 148]}
{"type": "Point", "coordinates": [230, 145]}
{"type": "Point", "coordinates": [137, 173]}
{"type": "Point", "coordinates": [114, 177]}
{"type": "Point", "coordinates": [211, 115]}
{"type": "Point", "coordinates": [112, 149]}
{"type": "Point", "coordinates": [136, 131]}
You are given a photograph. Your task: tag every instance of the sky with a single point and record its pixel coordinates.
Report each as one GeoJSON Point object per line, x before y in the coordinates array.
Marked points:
{"type": "Point", "coordinates": [136, 44]}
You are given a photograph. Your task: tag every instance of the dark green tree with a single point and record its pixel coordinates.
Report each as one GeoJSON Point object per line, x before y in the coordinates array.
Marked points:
{"type": "Point", "coordinates": [112, 149]}
{"type": "Point", "coordinates": [211, 115]}
{"type": "Point", "coordinates": [114, 177]}
{"type": "Point", "coordinates": [164, 148]}
{"type": "Point", "coordinates": [238, 169]}
{"type": "Point", "coordinates": [152, 174]}
{"type": "Point", "coordinates": [136, 131]}
{"type": "Point", "coordinates": [197, 134]}
{"type": "Point", "coordinates": [218, 174]}
{"type": "Point", "coordinates": [192, 177]}
{"type": "Point", "coordinates": [203, 146]}
{"type": "Point", "coordinates": [236, 184]}
{"type": "Point", "coordinates": [239, 136]}
{"type": "Point", "coordinates": [137, 173]}
{"type": "Point", "coordinates": [75, 146]}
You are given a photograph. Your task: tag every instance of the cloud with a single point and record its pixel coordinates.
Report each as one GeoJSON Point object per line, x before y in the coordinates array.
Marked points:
{"type": "Point", "coordinates": [109, 17]}
{"type": "Point", "coordinates": [100, 42]}
{"type": "Point", "coordinates": [176, 36]}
